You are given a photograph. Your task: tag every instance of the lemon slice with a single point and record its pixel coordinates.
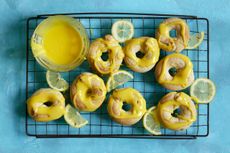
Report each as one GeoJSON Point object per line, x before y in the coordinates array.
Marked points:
{"type": "Point", "coordinates": [73, 117]}
{"type": "Point", "coordinates": [151, 122]}
{"type": "Point", "coordinates": [122, 30]}
{"type": "Point", "coordinates": [55, 81]}
{"type": "Point", "coordinates": [195, 40]}
{"type": "Point", "coordinates": [203, 90]}
{"type": "Point", "coordinates": [118, 78]}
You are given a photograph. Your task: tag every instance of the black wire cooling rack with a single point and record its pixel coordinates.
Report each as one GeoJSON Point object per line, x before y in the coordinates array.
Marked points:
{"type": "Point", "coordinates": [100, 125]}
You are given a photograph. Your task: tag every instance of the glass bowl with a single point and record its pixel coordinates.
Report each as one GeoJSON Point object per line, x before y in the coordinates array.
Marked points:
{"type": "Point", "coordinates": [40, 40]}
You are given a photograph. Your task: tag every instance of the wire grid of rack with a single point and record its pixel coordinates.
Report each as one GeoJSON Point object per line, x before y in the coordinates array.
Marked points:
{"type": "Point", "coordinates": [100, 124]}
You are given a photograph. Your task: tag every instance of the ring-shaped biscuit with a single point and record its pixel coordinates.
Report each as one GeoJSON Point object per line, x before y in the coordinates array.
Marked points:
{"type": "Point", "coordinates": [131, 97]}
{"type": "Point", "coordinates": [186, 111]}
{"type": "Point", "coordinates": [88, 92]}
{"type": "Point", "coordinates": [46, 105]}
{"type": "Point", "coordinates": [148, 47]}
{"type": "Point", "coordinates": [115, 55]}
{"type": "Point", "coordinates": [181, 79]}
{"type": "Point", "coordinates": [168, 43]}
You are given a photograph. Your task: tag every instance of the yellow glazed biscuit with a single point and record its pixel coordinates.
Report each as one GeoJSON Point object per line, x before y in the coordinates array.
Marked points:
{"type": "Point", "coordinates": [148, 47]}
{"type": "Point", "coordinates": [115, 55]}
{"type": "Point", "coordinates": [169, 103]}
{"type": "Point", "coordinates": [183, 77]}
{"type": "Point", "coordinates": [88, 92]}
{"type": "Point", "coordinates": [131, 97]}
{"type": "Point", "coordinates": [46, 105]}
{"type": "Point", "coordinates": [168, 43]}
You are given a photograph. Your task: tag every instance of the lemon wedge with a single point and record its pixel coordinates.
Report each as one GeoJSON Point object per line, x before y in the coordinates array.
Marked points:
{"type": "Point", "coordinates": [203, 90]}
{"type": "Point", "coordinates": [55, 81]}
{"type": "Point", "coordinates": [73, 117]}
{"type": "Point", "coordinates": [118, 78]}
{"type": "Point", "coordinates": [151, 122]}
{"type": "Point", "coordinates": [122, 30]}
{"type": "Point", "coordinates": [195, 40]}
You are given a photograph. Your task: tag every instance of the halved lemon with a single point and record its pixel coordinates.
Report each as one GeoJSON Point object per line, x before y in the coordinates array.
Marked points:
{"type": "Point", "coordinates": [122, 30]}
{"type": "Point", "coordinates": [195, 40]}
{"type": "Point", "coordinates": [74, 118]}
{"type": "Point", "coordinates": [203, 90]}
{"type": "Point", "coordinates": [118, 78]}
{"type": "Point", "coordinates": [55, 81]}
{"type": "Point", "coordinates": [151, 122]}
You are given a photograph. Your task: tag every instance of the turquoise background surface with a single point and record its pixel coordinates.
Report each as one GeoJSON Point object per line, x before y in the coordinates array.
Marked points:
{"type": "Point", "coordinates": [13, 15]}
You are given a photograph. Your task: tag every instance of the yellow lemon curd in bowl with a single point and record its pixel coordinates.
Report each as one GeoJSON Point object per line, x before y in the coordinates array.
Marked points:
{"type": "Point", "coordinates": [60, 43]}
